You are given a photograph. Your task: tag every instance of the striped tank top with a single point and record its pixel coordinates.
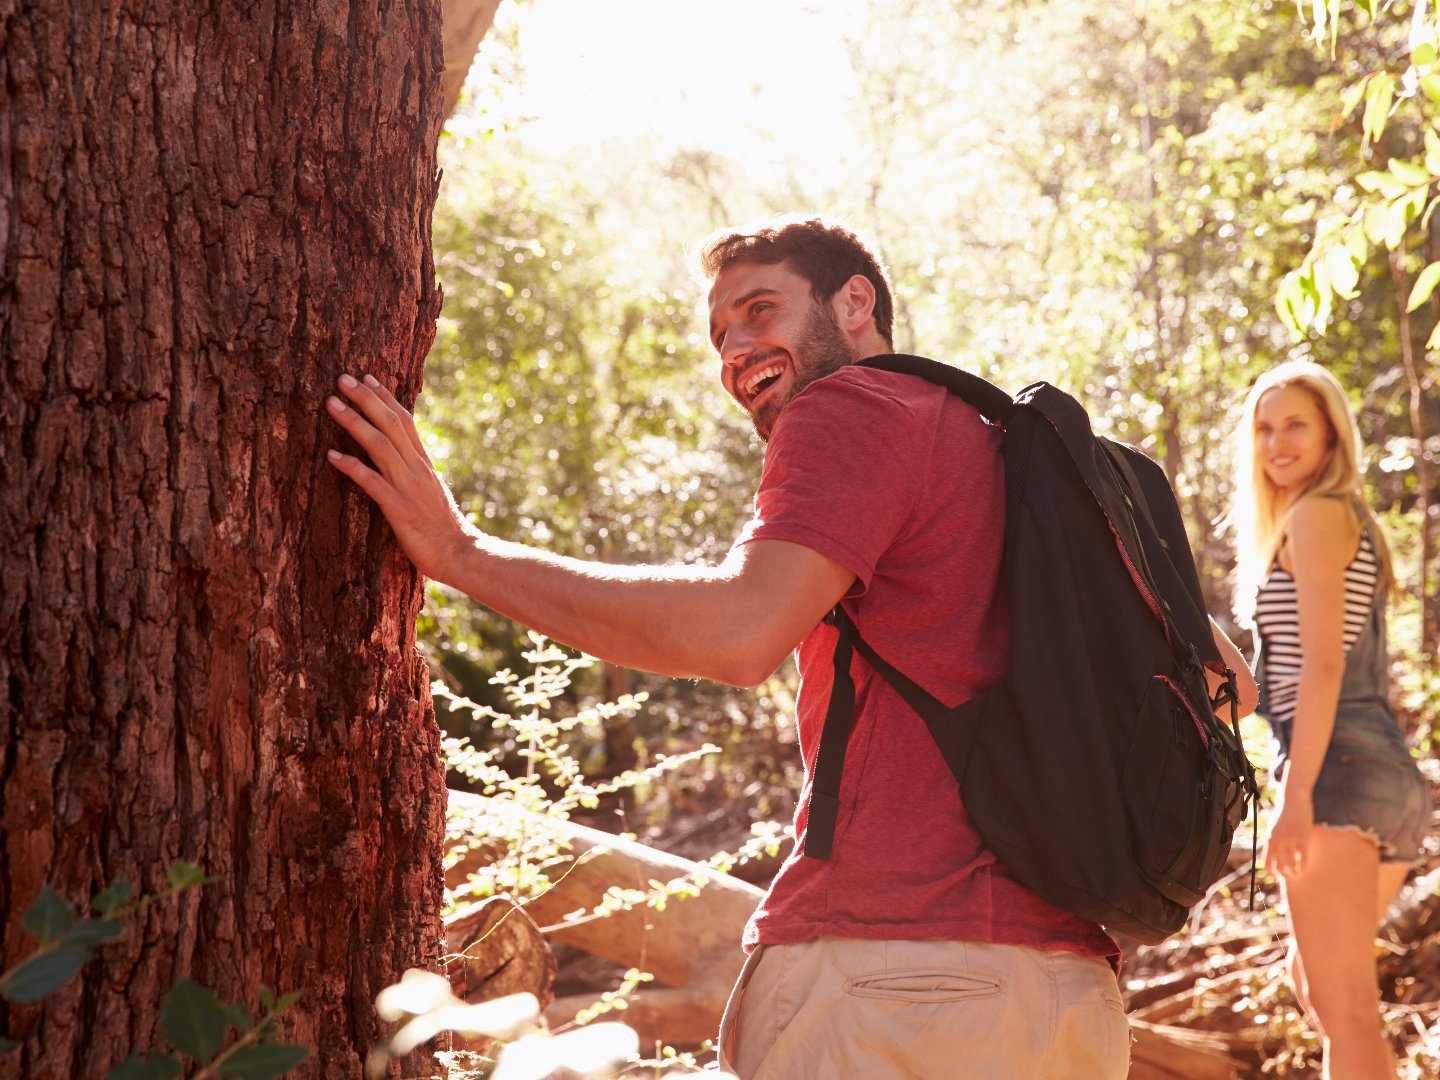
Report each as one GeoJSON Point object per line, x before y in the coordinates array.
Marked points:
{"type": "Point", "coordinates": [1277, 619]}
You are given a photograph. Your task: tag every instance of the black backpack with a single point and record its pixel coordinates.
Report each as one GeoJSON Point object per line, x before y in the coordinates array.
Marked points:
{"type": "Point", "coordinates": [1096, 768]}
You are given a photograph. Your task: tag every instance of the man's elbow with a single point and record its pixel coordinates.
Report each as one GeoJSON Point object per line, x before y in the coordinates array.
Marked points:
{"type": "Point", "coordinates": [746, 663]}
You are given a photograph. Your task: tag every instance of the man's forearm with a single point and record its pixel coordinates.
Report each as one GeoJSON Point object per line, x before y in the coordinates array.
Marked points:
{"type": "Point", "coordinates": [682, 621]}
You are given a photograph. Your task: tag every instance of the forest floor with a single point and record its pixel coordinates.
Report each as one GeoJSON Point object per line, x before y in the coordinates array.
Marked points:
{"type": "Point", "coordinates": [1224, 980]}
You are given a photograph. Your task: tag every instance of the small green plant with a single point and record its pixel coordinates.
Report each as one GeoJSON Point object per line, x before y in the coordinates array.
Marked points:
{"type": "Point", "coordinates": [524, 860]}
{"type": "Point", "coordinates": [552, 784]}
{"type": "Point", "coordinates": [194, 1020]}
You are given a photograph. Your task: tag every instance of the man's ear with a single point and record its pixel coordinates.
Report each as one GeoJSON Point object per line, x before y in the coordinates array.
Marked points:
{"type": "Point", "coordinates": [854, 303]}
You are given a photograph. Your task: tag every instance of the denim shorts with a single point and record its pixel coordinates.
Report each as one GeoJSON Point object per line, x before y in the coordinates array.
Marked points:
{"type": "Point", "coordinates": [1369, 781]}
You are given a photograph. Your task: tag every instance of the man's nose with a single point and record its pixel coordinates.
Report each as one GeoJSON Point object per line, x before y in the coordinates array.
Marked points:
{"type": "Point", "coordinates": [737, 348]}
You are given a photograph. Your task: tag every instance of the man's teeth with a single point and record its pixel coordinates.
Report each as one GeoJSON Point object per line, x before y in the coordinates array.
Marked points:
{"type": "Point", "coordinates": [760, 375]}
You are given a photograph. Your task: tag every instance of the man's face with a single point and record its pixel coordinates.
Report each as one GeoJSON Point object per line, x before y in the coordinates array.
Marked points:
{"type": "Point", "coordinates": [774, 338]}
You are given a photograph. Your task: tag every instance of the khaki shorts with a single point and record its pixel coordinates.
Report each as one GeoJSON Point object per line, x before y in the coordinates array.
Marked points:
{"type": "Point", "coordinates": [839, 1008]}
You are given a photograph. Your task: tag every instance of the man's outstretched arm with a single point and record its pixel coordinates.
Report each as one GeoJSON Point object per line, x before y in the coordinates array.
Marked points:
{"type": "Point", "coordinates": [734, 622]}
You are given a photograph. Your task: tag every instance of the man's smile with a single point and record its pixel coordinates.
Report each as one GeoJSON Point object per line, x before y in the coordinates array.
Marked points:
{"type": "Point", "coordinates": [761, 378]}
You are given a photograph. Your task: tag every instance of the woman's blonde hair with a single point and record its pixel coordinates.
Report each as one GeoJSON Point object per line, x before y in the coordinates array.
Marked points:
{"type": "Point", "coordinates": [1260, 512]}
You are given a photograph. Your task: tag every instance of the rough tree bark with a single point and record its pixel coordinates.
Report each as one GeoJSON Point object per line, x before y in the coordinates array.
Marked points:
{"type": "Point", "coordinates": [206, 636]}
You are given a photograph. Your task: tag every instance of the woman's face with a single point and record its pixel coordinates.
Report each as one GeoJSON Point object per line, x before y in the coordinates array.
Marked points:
{"type": "Point", "coordinates": [1292, 436]}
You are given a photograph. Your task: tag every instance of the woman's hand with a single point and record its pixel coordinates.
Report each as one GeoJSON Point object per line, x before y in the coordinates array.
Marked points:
{"type": "Point", "coordinates": [403, 482]}
{"type": "Point", "coordinates": [1288, 846]}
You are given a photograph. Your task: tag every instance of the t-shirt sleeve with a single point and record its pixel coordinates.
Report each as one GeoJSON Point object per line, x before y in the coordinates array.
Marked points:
{"type": "Point", "coordinates": [843, 471]}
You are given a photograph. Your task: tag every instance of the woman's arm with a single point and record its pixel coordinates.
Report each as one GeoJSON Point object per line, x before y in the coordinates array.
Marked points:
{"type": "Point", "coordinates": [1320, 543]}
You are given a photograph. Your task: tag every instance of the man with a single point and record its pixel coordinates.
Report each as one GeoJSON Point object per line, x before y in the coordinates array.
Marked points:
{"type": "Point", "coordinates": [910, 952]}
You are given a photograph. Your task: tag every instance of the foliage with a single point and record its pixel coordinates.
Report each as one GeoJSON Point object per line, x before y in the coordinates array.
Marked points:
{"type": "Point", "coordinates": [1390, 107]}
{"type": "Point", "coordinates": [523, 862]}
{"type": "Point", "coordinates": [561, 401]}
{"type": "Point", "coordinates": [194, 1020]}
{"type": "Point", "coordinates": [553, 785]}
{"type": "Point", "coordinates": [1109, 196]}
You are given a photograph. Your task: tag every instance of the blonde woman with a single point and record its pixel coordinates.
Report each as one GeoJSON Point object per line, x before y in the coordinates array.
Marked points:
{"type": "Point", "coordinates": [1314, 574]}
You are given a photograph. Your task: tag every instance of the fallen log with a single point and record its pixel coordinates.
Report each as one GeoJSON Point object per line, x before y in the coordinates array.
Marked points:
{"type": "Point", "coordinates": [495, 950]}
{"type": "Point", "coordinates": [691, 945]}
{"type": "Point", "coordinates": [1162, 1052]}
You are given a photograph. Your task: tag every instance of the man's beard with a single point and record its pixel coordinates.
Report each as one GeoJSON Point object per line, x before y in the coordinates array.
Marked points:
{"type": "Point", "coordinates": [821, 350]}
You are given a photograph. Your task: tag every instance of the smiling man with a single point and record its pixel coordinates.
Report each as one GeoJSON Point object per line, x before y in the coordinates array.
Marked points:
{"type": "Point", "coordinates": [910, 951]}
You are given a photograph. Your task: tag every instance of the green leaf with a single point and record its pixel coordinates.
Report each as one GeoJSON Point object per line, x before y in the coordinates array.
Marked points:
{"type": "Point", "coordinates": [193, 1020]}
{"type": "Point", "coordinates": [185, 875]}
{"type": "Point", "coordinates": [1379, 96]}
{"type": "Point", "coordinates": [7, 1045]}
{"type": "Point", "coordinates": [286, 1000]}
{"type": "Point", "coordinates": [153, 1066]}
{"type": "Point", "coordinates": [1408, 173]}
{"type": "Point", "coordinates": [1430, 86]}
{"type": "Point", "coordinates": [1425, 217]}
{"type": "Point", "coordinates": [1385, 224]}
{"type": "Point", "coordinates": [1382, 183]}
{"type": "Point", "coordinates": [91, 932]}
{"type": "Point", "coordinates": [113, 898]}
{"type": "Point", "coordinates": [1414, 204]}
{"type": "Point", "coordinates": [1290, 304]}
{"type": "Point", "coordinates": [239, 1017]}
{"type": "Point", "coordinates": [1424, 54]}
{"type": "Point", "coordinates": [267, 998]}
{"type": "Point", "coordinates": [1432, 152]}
{"type": "Point", "coordinates": [1341, 271]}
{"type": "Point", "coordinates": [1434, 337]}
{"type": "Point", "coordinates": [1424, 286]}
{"type": "Point", "coordinates": [1351, 95]}
{"type": "Point", "coordinates": [264, 1062]}
{"type": "Point", "coordinates": [43, 974]}
{"type": "Point", "coordinates": [48, 917]}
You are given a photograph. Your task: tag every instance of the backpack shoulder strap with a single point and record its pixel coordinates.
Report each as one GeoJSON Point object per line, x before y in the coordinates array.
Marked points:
{"type": "Point", "coordinates": [993, 403]}
{"type": "Point", "coordinates": [1173, 565]}
{"type": "Point", "coordinates": [1154, 545]}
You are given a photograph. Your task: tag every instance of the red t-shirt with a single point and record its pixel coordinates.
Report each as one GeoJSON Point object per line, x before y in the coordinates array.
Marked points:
{"type": "Point", "coordinates": [902, 483]}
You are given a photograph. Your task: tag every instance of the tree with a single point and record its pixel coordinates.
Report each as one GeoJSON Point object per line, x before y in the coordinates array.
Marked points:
{"type": "Point", "coordinates": [206, 636]}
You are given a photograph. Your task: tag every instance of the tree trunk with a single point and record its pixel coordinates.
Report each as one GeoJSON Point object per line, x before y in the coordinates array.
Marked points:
{"type": "Point", "coordinates": [207, 635]}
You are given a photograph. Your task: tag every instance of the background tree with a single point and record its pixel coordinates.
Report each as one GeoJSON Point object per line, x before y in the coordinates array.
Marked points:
{"type": "Point", "coordinates": [206, 637]}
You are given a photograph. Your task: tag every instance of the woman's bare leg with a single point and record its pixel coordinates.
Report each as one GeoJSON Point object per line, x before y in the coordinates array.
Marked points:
{"type": "Point", "coordinates": [1332, 908]}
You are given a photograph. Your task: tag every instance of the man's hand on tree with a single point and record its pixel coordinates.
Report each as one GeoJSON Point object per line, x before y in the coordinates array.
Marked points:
{"type": "Point", "coordinates": [403, 482]}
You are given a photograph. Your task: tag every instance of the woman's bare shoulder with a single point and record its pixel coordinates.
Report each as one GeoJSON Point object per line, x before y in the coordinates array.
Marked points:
{"type": "Point", "coordinates": [1322, 528]}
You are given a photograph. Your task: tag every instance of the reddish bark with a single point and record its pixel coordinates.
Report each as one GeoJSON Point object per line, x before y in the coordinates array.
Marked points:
{"type": "Point", "coordinates": [206, 635]}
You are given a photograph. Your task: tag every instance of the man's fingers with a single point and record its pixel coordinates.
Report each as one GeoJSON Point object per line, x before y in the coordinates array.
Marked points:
{"type": "Point", "coordinates": [382, 410]}
{"type": "Point", "coordinates": [406, 419]}
{"type": "Point", "coordinates": [378, 445]}
{"type": "Point", "coordinates": [371, 482]}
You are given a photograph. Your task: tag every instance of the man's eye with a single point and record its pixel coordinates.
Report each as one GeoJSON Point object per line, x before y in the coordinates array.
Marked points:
{"type": "Point", "coordinates": [760, 307]}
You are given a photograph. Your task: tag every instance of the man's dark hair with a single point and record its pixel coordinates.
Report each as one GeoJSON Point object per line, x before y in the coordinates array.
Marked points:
{"type": "Point", "coordinates": [824, 254]}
